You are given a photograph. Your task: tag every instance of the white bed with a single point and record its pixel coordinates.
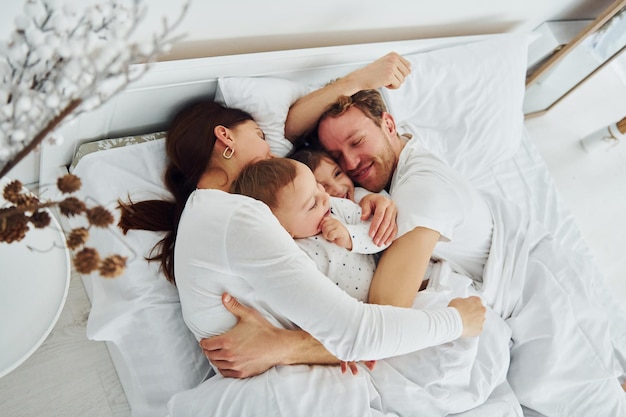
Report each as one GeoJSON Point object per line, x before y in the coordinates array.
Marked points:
{"type": "Point", "coordinates": [138, 314]}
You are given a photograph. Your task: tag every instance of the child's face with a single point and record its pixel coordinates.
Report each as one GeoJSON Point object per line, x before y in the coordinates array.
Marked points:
{"type": "Point", "coordinates": [303, 204]}
{"type": "Point", "coordinates": [333, 179]}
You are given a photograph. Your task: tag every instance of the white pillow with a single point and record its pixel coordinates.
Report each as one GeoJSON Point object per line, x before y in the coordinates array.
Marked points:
{"type": "Point", "coordinates": [267, 100]}
{"type": "Point", "coordinates": [139, 312]}
{"type": "Point", "coordinates": [472, 93]}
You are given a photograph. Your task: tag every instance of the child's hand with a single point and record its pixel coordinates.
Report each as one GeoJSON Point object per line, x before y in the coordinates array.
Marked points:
{"type": "Point", "coordinates": [335, 232]}
{"type": "Point", "coordinates": [384, 227]}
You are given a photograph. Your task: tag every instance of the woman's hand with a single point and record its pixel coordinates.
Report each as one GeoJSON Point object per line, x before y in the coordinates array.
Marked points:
{"type": "Point", "coordinates": [472, 313]}
{"type": "Point", "coordinates": [384, 212]}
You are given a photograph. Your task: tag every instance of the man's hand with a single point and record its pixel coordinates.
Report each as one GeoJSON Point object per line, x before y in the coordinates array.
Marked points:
{"type": "Point", "coordinates": [383, 228]}
{"type": "Point", "coordinates": [388, 71]}
{"type": "Point", "coordinates": [473, 314]}
{"type": "Point", "coordinates": [250, 348]}
{"type": "Point", "coordinates": [254, 345]}
{"type": "Point", "coordinates": [335, 232]}
{"type": "Point", "coordinates": [354, 369]}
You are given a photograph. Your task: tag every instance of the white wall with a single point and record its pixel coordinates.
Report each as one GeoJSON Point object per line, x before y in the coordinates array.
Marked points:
{"type": "Point", "coordinates": [237, 26]}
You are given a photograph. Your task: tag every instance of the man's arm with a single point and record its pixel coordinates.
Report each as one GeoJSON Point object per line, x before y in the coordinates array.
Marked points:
{"type": "Point", "coordinates": [388, 71]}
{"type": "Point", "coordinates": [402, 266]}
{"type": "Point", "coordinates": [254, 345]}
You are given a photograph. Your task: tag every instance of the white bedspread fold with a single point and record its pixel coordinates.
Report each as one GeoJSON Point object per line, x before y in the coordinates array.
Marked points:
{"type": "Point", "coordinates": [567, 342]}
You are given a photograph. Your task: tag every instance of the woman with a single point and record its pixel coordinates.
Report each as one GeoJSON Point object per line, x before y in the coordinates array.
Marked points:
{"type": "Point", "coordinates": [217, 242]}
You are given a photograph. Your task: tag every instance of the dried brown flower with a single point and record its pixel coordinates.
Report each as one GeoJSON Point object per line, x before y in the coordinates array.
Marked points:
{"type": "Point", "coordinates": [71, 206]}
{"type": "Point", "coordinates": [40, 219]}
{"type": "Point", "coordinates": [77, 238]}
{"type": "Point", "coordinates": [86, 261]}
{"type": "Point", "coordinates": [112, 266]}
{"type": "Point", "coordinates": [14, 193]}
{"type": "Point", "coordinates": [14, 186]}
{"type": "Point", "coordinates": [27, 200]}
{"type": "Point", "coordinates": [13, 227]}
{"type": "Point", "coordinates": [99, 216]}
{"type": "Point", "coordinates": [68, 183]}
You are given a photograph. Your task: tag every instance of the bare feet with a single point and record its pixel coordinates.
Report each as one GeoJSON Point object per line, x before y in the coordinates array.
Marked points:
{"type": "Point", "coordinates": [624, 386]}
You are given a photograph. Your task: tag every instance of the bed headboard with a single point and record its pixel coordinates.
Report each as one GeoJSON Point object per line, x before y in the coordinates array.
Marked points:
{"type": "Point", "coordinates": [148, 104]}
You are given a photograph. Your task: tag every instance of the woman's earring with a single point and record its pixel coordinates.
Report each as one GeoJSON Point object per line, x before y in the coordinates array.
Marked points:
{"type": "Point", "coordinates": [228, 152]}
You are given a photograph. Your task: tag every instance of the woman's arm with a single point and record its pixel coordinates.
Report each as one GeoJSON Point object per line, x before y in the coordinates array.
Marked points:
{"type": "Point", "coordinates": [388, 71]}
{"type": "Point", "coordinates": [401, 268]}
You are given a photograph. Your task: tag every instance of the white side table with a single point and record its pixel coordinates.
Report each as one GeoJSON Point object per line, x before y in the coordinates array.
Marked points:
{"type": "Point", "coordinates": [33, 289]}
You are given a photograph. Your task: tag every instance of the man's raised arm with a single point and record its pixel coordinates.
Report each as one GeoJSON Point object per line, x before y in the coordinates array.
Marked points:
{"type": "Point", "coordinates": [388, 71]}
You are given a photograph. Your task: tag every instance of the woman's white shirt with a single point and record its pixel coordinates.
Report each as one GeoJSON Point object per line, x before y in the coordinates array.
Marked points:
{"type": "Point", "coordinates": [231, 243]}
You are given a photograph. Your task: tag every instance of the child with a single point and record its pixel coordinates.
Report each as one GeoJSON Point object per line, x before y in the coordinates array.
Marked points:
{"type": "Point", "coordinates": [337, 183]}
{"type": "Point", "coordinates": [328, 229]}
{"type": "Point", "coordinates": [330, 175]}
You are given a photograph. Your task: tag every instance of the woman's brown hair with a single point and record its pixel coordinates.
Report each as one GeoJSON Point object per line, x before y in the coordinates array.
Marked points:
{"type": "Point", "coordinates": [189, 145]}
{"type": "Point", "coordinates": [263, 180]}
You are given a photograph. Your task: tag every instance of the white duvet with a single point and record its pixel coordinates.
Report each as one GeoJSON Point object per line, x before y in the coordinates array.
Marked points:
{"type": "Point", "coordinates": [568, 343]}
{"type": "Point", "coordinates": [438, 381]}
{"type": "Point", "coordinates": [558, 365]}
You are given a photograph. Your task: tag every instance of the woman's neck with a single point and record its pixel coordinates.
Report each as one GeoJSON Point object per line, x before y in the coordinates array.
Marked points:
{"type": "Point", "coordinates": [215, 179]}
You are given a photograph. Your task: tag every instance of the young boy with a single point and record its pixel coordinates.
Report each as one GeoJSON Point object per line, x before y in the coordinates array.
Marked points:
{"type": "Point", "coordinates": [328, 229]}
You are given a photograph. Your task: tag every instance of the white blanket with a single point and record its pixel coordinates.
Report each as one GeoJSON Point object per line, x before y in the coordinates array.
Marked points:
{"type": "Point", "coordinates": [566, 355]}
{"type": "Point", "coordinates": [568, 344]}
{"type": "Point", "coordinates": [466, 374]}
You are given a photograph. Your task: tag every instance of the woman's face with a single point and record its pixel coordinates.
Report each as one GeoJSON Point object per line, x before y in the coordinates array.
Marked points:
{"type": "Point", "coordinates": [334, 180]}
{"type": "Point", "coordinates": [250, 144]}
{"type": "Point", "coordinates": [303, 204]}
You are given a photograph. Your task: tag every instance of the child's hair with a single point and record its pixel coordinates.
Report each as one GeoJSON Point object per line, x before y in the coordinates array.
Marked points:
{"type": "Point", "coordinates": [311, 157]}
{"type": "Point", "coordinates": [263, 180]}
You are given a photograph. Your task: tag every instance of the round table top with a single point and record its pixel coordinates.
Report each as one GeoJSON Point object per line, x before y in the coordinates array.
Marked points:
{"type": "Point", "coordinates": [34, 282]}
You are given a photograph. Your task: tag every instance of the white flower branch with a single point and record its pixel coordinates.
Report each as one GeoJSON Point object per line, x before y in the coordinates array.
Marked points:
{"type": "Point", "coordinates": [59, 63]}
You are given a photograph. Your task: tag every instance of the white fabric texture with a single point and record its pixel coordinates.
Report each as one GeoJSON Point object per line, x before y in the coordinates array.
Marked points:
{"type": "Point", "coordinates": [473, 94]}
{"type": "Point", "coordinates": [528, 280]}
{"type": "Point", "coordinates": [233, 243]}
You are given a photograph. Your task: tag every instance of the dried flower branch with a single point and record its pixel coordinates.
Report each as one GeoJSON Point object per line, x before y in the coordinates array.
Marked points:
{"type": "Point", "coordinates": [15, 220]}
{"type": "Point", "coordinates": [57, 64]}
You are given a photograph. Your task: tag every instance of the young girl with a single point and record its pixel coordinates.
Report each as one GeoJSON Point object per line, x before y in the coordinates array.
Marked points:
{"type": "Point", "coordinates": [330, 175]}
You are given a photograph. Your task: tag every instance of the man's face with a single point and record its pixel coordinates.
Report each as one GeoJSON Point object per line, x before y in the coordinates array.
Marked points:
{"type": "Point", "coordinates": [362, 149]}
